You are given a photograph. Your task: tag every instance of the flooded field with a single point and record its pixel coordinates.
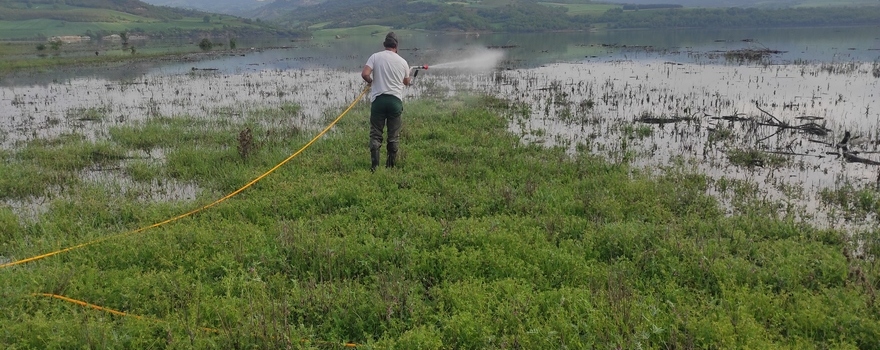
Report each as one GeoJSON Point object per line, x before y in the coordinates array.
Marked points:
{"type": "Point", "coordinates": [769, 126]}
{"type": "Point", "coordinates": [775, 126]}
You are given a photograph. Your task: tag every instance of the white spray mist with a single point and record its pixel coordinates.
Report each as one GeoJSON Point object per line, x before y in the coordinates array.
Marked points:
{"type": "Point", "coordinates": [478, 60]}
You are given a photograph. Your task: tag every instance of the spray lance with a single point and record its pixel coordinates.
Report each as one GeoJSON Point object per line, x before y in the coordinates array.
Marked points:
{"type": "Point", "coordinates": [416, 70]}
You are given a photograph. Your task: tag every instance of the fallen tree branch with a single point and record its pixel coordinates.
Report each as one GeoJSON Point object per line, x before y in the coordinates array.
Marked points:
{"type": "Point", "coordinates": [778, 122]}
{"type": "Point", "coordinates": [654, 120]}
{"type": "Point", "coordinates": [785, 153]}
{"type": "Point", "coordinates": [822, 142]}
{"type": "Point", "coordinates": [852, 158]}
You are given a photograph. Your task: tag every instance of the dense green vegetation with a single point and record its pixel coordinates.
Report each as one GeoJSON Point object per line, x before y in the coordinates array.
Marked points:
{"type": "Point", "coordinates": [86, 10]}
{"type": "Point", "coordinates": [531, 15]}
{"type": "Point", "coordinates": [40, 19]}
{"type": "Point", "coordinates": [509, 16]}
{"type": "Point", "coordinates": [475, 241]}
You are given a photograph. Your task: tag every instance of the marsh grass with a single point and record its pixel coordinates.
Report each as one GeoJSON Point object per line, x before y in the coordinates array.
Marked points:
{"type": "Point", "coordinates": [17, 57]}
{"type": "Point", "coordinates": [45, 164]}
{"type": "Point", "coordinates": [18, 63]}
{"type": "Point", "coordinates": [475, 240]}
{"type": "Point", "coordinates": [754, 157]}
{"type": "Point", "coordinates": [854, 201]}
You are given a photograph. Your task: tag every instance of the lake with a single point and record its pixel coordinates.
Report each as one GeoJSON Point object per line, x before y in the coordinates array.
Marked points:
{"type": "Point", "coordinates": [700, 100]}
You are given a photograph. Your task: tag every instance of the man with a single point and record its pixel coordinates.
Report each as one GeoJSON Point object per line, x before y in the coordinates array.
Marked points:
{"type": "Point", "coordinates": [388, 74]}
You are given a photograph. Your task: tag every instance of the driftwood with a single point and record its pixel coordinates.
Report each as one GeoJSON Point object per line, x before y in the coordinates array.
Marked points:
{"type": "Point", "coordinates": [665, 120]}
{"type": "Point", "coordinates": [822, 142]}
{"type": "Point", "coordinates": [789, 153]}
{"type": "Point", "coordinates": [654, 120]}
{"type": "Point", "coordinates": [841, 149]}
{"type": "Point", "coordinates": [810, 128]}
{"type": "Point", "coordinates": [852, 158]}
{"type": "Point", "coordinates": [813, 128]}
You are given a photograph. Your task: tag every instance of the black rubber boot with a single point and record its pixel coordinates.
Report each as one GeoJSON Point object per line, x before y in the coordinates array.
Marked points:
{"type": "Point", "coordinates": [374, 158]}
{"type": "Point", "coordinates": [392, 157]}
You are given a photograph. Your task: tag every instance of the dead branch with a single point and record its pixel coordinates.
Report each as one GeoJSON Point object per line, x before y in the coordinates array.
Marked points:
{"type": "Point", "coordinates": [774, 134]}
{"type": "Point", "coordinates": [778, 122]}
{"type": "Point", "coordinates": [813, 128]}
{"type": "Point", "coordinates": [655, 120]}
{"type": "Point", "coordinates": [810, 128]}
{"type": "Point", "coordinates": [822, 142]}
{"type": "Point", "coordinates": [788, 153]}
{"type": "Point", "coordinates": [852, 158]}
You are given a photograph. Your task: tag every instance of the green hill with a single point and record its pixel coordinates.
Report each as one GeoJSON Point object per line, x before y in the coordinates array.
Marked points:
{"type": "Point", "coordinates": [40, 19]}
{"type": "Point", "coordinates": [468, 15]}
{"type": "Point", "coordinates": [538, 16]}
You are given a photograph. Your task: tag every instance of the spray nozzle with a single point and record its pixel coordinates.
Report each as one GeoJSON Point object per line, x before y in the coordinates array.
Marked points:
{"type": "Point", "coordinates": [416, 69]}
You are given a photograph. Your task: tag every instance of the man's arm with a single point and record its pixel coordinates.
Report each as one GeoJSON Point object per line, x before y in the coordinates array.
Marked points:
{"type": "Point", "coordinates": [367, 74]}
{"type": "Point", "coordinates": [408, 79]}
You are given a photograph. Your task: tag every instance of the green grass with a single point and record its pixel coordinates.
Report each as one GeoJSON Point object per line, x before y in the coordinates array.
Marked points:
{"type": "Point", "coordinates": [15, 48]}
{"type": "Point", "coordinates": [25, 56]}
{"type": "Point", "coordinates": [23, 61]}
{"type": "Point", "coordinates": [474, 241]}
{"type": "Point", "coordinates": [74, 14]}
{"type": "Point", "coordinates": [319, 25]}
{"type": "Point", "coordinates": [44, 165]}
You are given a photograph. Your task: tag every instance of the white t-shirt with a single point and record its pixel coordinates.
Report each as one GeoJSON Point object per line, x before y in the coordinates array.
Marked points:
{"type": "Point", "coordinates": [389, 69]}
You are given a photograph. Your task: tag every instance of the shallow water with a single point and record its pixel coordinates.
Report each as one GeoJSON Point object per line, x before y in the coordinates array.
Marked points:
{"type": "Point", "coordinates": [623, 92]}
{"type": "Point", "coordinates": [584, 90]}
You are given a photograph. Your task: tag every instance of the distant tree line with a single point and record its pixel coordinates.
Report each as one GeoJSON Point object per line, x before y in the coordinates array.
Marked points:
{"type": "Point", "coordinates": [228, 31]}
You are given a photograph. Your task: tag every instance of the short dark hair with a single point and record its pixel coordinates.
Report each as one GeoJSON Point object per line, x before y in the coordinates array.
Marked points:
{"type": "Point", "coordinates": [390, 40]}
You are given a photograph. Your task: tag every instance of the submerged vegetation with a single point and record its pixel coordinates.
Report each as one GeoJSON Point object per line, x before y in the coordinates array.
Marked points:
{"type": "Point", "coordinates": [476, 240]}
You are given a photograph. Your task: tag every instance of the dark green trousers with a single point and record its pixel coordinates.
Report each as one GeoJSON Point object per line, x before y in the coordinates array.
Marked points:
{"type": "Point", "coordinates": [385, 111]}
